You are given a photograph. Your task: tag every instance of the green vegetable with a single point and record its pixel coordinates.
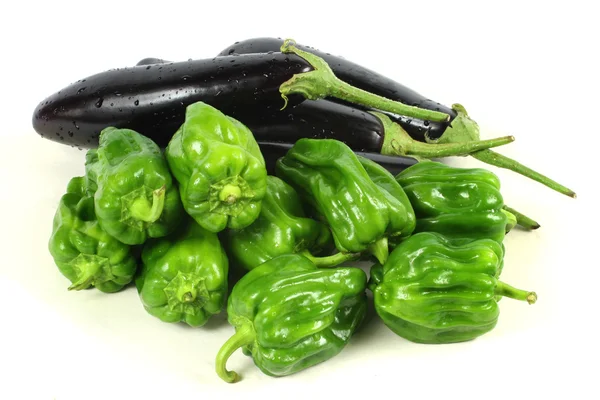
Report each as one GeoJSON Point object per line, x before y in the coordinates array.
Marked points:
{"type": "Point", "coordinates": [362, 213]}
{"type": "Point", "coordinates": [135, 197]}
{"type": "Point", "coordinates": [457, 202]}
{"type": "Point", "coordinates": [221, 172]}
{"type": "Point", "coordinates": [281, 228]}
{"type": "Point", "coordinates": [184, 276]}
{"type": "Point", "coordinates": [84, 252]}
{"type": "Point", "coordinates": [290, 315]}
{"type": "Point", "coordinates": [435, 289]}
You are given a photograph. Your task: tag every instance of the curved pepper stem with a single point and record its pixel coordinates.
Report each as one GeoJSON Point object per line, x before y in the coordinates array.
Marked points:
{"type": "Point", "coordinates": [504, 289]}
{"type": "Point", "coordinates": [464, 129]}
{"type": "Point", "coordinates": [397, 142]}
{"type": "Point", "coordinates": [322, 82]}
{"type": "Point", "coordinates": [142, 210]}
{"type": "Point", "coordinates": [330, 261]}
{"type": "Point", "coordinates": [522, 220]}
{"type": "Point", "coordinates": [242, 337]}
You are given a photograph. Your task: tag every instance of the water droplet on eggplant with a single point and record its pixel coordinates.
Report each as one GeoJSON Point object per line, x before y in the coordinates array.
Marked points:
{"type": "Point", "coordinates": [99, 103]}
{"type": "Point", "coordinates": [136, 103]}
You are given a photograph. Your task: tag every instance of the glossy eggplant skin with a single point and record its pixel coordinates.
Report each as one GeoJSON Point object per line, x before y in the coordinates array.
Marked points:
{"type": "Point", "coordinates": [272, 151]}
{"type": "Point", "coordinates": [362, 78]}
{"type": "Point", "coordinates": [321, 119]}
{"type": "Point", "coordinates": [151, 99]}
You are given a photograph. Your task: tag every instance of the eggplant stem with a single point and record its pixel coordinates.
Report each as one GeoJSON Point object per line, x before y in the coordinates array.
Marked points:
{"type": "Point", "coordinates": [321, 82]}
{"type": "Point", "coordinates": [498, 160]}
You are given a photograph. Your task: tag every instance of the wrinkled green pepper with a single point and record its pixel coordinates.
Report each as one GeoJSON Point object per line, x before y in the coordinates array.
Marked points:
{"type": "Point", "coordinates": [84, 252]}
{"type": "Point", "coordinates": [184, 276]}
{"type": "Point", "coordinates": [281, 228]}
{"type": "Point", "coordinates": [435, 289]}
{"type": "Point", "coordinates": [290, 315]}
{"type": "Point", "coordinates": [221, 172]}
{"type": "Point", "coordinates": [135, 197]}
{"type": "Point", "coordinates": [457, 202]}
{"type": "Point", "coordinates": [359, 200]}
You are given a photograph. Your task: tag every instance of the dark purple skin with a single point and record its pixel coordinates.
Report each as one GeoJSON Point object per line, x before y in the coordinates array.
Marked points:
{"type": "Point", "coordinates": [151, 99]}
{"type": "Point", "coordinates": [362, 78]}
{"type": "Point", "coordinates": [321, 119]}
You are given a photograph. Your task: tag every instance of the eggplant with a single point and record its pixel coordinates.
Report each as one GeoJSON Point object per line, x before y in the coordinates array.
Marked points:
{"type": "Point", "coordinates": [151, 99]}
{"type": "Point", "coordinates": [363, 78]}
{"type": "Point", "coordinates": [458, 129]}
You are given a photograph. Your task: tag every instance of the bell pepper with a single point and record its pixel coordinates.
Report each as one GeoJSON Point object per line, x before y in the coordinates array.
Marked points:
{"type": "Point", "coordinates": [457, 202]}
{"type": "Point", "coordinates": [290, 315]}
{"type": "Point", "coordinates": [134, 193]}
{"type": "Point", "coordinates": [362, 213]}
{"type": "Point", "coordinates": [84, 252]}
{"type": "Point", "coordinates": [184, 276]}
{"type": "Point", "coordinates": [221, 172]}
{"type": "Point", "coordinates": [281, 228]}
{"type": "Point", "coordinates": [435, 289]}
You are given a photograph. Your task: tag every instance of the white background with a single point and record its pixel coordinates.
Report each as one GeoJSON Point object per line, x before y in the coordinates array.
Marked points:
{"type": "Point", "coordinates": [524, 68]}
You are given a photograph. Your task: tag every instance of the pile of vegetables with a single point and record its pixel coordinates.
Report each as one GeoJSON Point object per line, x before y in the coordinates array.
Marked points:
{"type": "Point", "coordinates": [287, 166]}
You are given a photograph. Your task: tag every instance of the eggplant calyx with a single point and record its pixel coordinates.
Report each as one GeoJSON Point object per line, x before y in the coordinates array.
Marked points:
{"type": "Point", "coordinates": [398, 142]}
{"type": "Point", "coordinates": [463, 129]}
{"type": "Point", "coordinates": [321, 82]}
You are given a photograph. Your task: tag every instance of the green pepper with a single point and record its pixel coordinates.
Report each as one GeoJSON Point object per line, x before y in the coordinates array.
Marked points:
{"type": "Point", "coordinates": [290, 315]}
{"type": "Point", "coordinates": [457, 202]}
{"type": "Point", "coordinates": [84, 252]}
{"type": "Point", "coordinates": [281, 228]}
{"type": "Point", "coordinates": [362, 206]}
{"type": "Point", "coordinates": [221, 172]}
{"type": "Point", "coordinates": [134, 193]}
{"type": "Point", "coordinates": [435, 289]}
{"type": "Point", "coordinates": [184, 276]}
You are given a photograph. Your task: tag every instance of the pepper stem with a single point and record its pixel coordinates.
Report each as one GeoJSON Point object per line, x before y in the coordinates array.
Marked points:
{"type": "Point", "coordinates": [242, 337]}
{"type": "Point", "coordinates": [511, 221]}
{"type": "Point", "coordinates": [504, 289]}
{"type": "Point", "coordinates": [500, 161]}
{"type": "Point", "coordinates": [380, 250]}
{"type": "Point", "coordinates": [522, 220]}
{"type": "Point", "coordinates": [321, 82]}
{"type": "Point", "coordinates": [142, 210]}
{"type": "Point", "coordinates": [90, 270]}
{"type": "Point", "coordinates": [230, 193]}
{"type": "Point", "coordinates": [397, 142]}
{"type": "Point", "coordinates": [330, 261]}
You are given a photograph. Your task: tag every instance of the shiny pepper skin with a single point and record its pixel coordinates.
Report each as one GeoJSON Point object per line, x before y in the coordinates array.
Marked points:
{"type": "Point", "coordinates": [184, 276]}
{"type": "Point", "coordinates": [290, 315]}
{"type": "Point", "coordinates": [457, 202]}
{"type": "Point", "coordinates": [84, 252]}
{"type": "Point", "coordinates": [435, 289]}
{"type": "Point", "coordinates": [135, 197]}
{"type": "Point", "coordinates": [359, 204]}
{"type": "Point", "coordinates": [221, 172]}
{"type": "Point", "coordinates": [281, 228]}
